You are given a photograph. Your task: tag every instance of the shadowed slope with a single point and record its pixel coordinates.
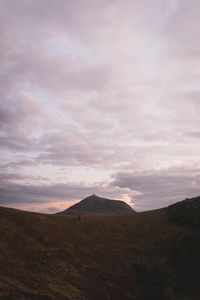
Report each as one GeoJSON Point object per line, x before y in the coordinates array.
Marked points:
{"type": "Point", "coordinates": [186, 212]}
{"type": "Point", "coordinates": [97, 205]}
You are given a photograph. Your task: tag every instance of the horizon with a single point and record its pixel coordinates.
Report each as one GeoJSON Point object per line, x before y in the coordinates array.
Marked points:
{"type": "Point", "coordinates": [99, 197]}
{"type": "Point", "coordinates": [99, 97]}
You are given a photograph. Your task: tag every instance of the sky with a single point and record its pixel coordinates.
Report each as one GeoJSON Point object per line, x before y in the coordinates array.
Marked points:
{"type": "Point", "coordinates": [99, 96]}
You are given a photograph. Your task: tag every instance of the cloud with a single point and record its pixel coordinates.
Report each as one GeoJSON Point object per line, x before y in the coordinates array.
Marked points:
{"type": "Point", "coordinates": [19, 193]}
{"type": "Point", "coordinates": [18, 190]}
{"type": "Point", "coordinates": [156, 189]}
{"type": "Point", "coordinates": [101, 84]}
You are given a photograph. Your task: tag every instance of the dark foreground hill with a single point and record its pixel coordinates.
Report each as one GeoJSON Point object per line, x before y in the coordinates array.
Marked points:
{"type": "Point", "coordinates": [97, 205]}
{"type": "Point", "coordinates": [140, 256]}
{"type": "Point", "coordinates": [187, 212]}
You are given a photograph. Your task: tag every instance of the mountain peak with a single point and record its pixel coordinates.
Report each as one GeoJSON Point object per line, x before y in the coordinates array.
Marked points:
{"type": "Point", "coordinates": [94, 204]}
{"type": "Point", "coordinates": [93, 196]}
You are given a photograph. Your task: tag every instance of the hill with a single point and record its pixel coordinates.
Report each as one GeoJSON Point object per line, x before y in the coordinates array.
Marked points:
{"type": "Point", "coordinates": [97, 205]}
{"type": "Point", "coordinates": [124, 257]}
{"type": "Point", "coordinates": [186, 212]}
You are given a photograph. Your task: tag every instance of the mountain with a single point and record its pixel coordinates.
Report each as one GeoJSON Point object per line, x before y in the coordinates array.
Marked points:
{"type": "Point", "coordinates": [97, 205]}
{"type": "Point", "coordinates": [141, 256]}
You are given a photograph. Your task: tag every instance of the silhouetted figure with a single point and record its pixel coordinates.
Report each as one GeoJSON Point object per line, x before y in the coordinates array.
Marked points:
{"type": "Point", "coordinates": [169, 294]}
{"type": "Point", "coordinates": [79, 218]}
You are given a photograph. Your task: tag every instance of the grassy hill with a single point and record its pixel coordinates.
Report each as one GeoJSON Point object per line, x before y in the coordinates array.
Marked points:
{"type": "Point", "coordinates": [186, 212]}
{"type": "Point", "coordinates": [138, 256]}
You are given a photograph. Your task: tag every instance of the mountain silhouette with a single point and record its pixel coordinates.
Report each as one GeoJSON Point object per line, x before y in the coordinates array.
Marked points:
{"type": "Point", "coordinates": [98, 205]}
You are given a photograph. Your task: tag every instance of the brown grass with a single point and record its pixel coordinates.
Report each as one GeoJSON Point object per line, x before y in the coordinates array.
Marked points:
{"type": "Point", "coordinates": [139, 256]}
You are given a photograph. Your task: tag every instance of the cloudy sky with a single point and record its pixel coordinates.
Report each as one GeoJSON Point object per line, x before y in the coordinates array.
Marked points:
{"type": "Point", "coordinates": [99, 96]}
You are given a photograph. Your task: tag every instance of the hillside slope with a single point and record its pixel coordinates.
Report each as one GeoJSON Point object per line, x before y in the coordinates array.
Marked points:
{"type": "Point", "coordinates": [138, 256]}
{"type": "Point", "coordinates": [186, 212]}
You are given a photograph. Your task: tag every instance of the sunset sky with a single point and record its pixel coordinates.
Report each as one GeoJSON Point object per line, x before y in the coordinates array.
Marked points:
{"type": "Point", "coordinates": [99, 97]}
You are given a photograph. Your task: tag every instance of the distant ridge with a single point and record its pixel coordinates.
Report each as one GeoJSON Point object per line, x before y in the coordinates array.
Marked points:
{"type": "Point", "coordinates": [97, 205]}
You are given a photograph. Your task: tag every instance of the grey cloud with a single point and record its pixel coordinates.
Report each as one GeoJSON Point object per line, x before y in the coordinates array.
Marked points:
{"type": "Point", "coordinates": [15, 178]}
{"type": "Point", "coordinates": [100, 83]}
{"type": "Point", "coordinates": [52, 210]}
{"type": "Point", "coordinates": [28, 60]}
{"type": "Point", "coordinates": [19, 193]}
{"type": "Point", "coordinates": [182, 26]}
{"type": "Point", "coordinates": [19, 116]}
{"type": "Point", "coordinates": [156, 189]}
